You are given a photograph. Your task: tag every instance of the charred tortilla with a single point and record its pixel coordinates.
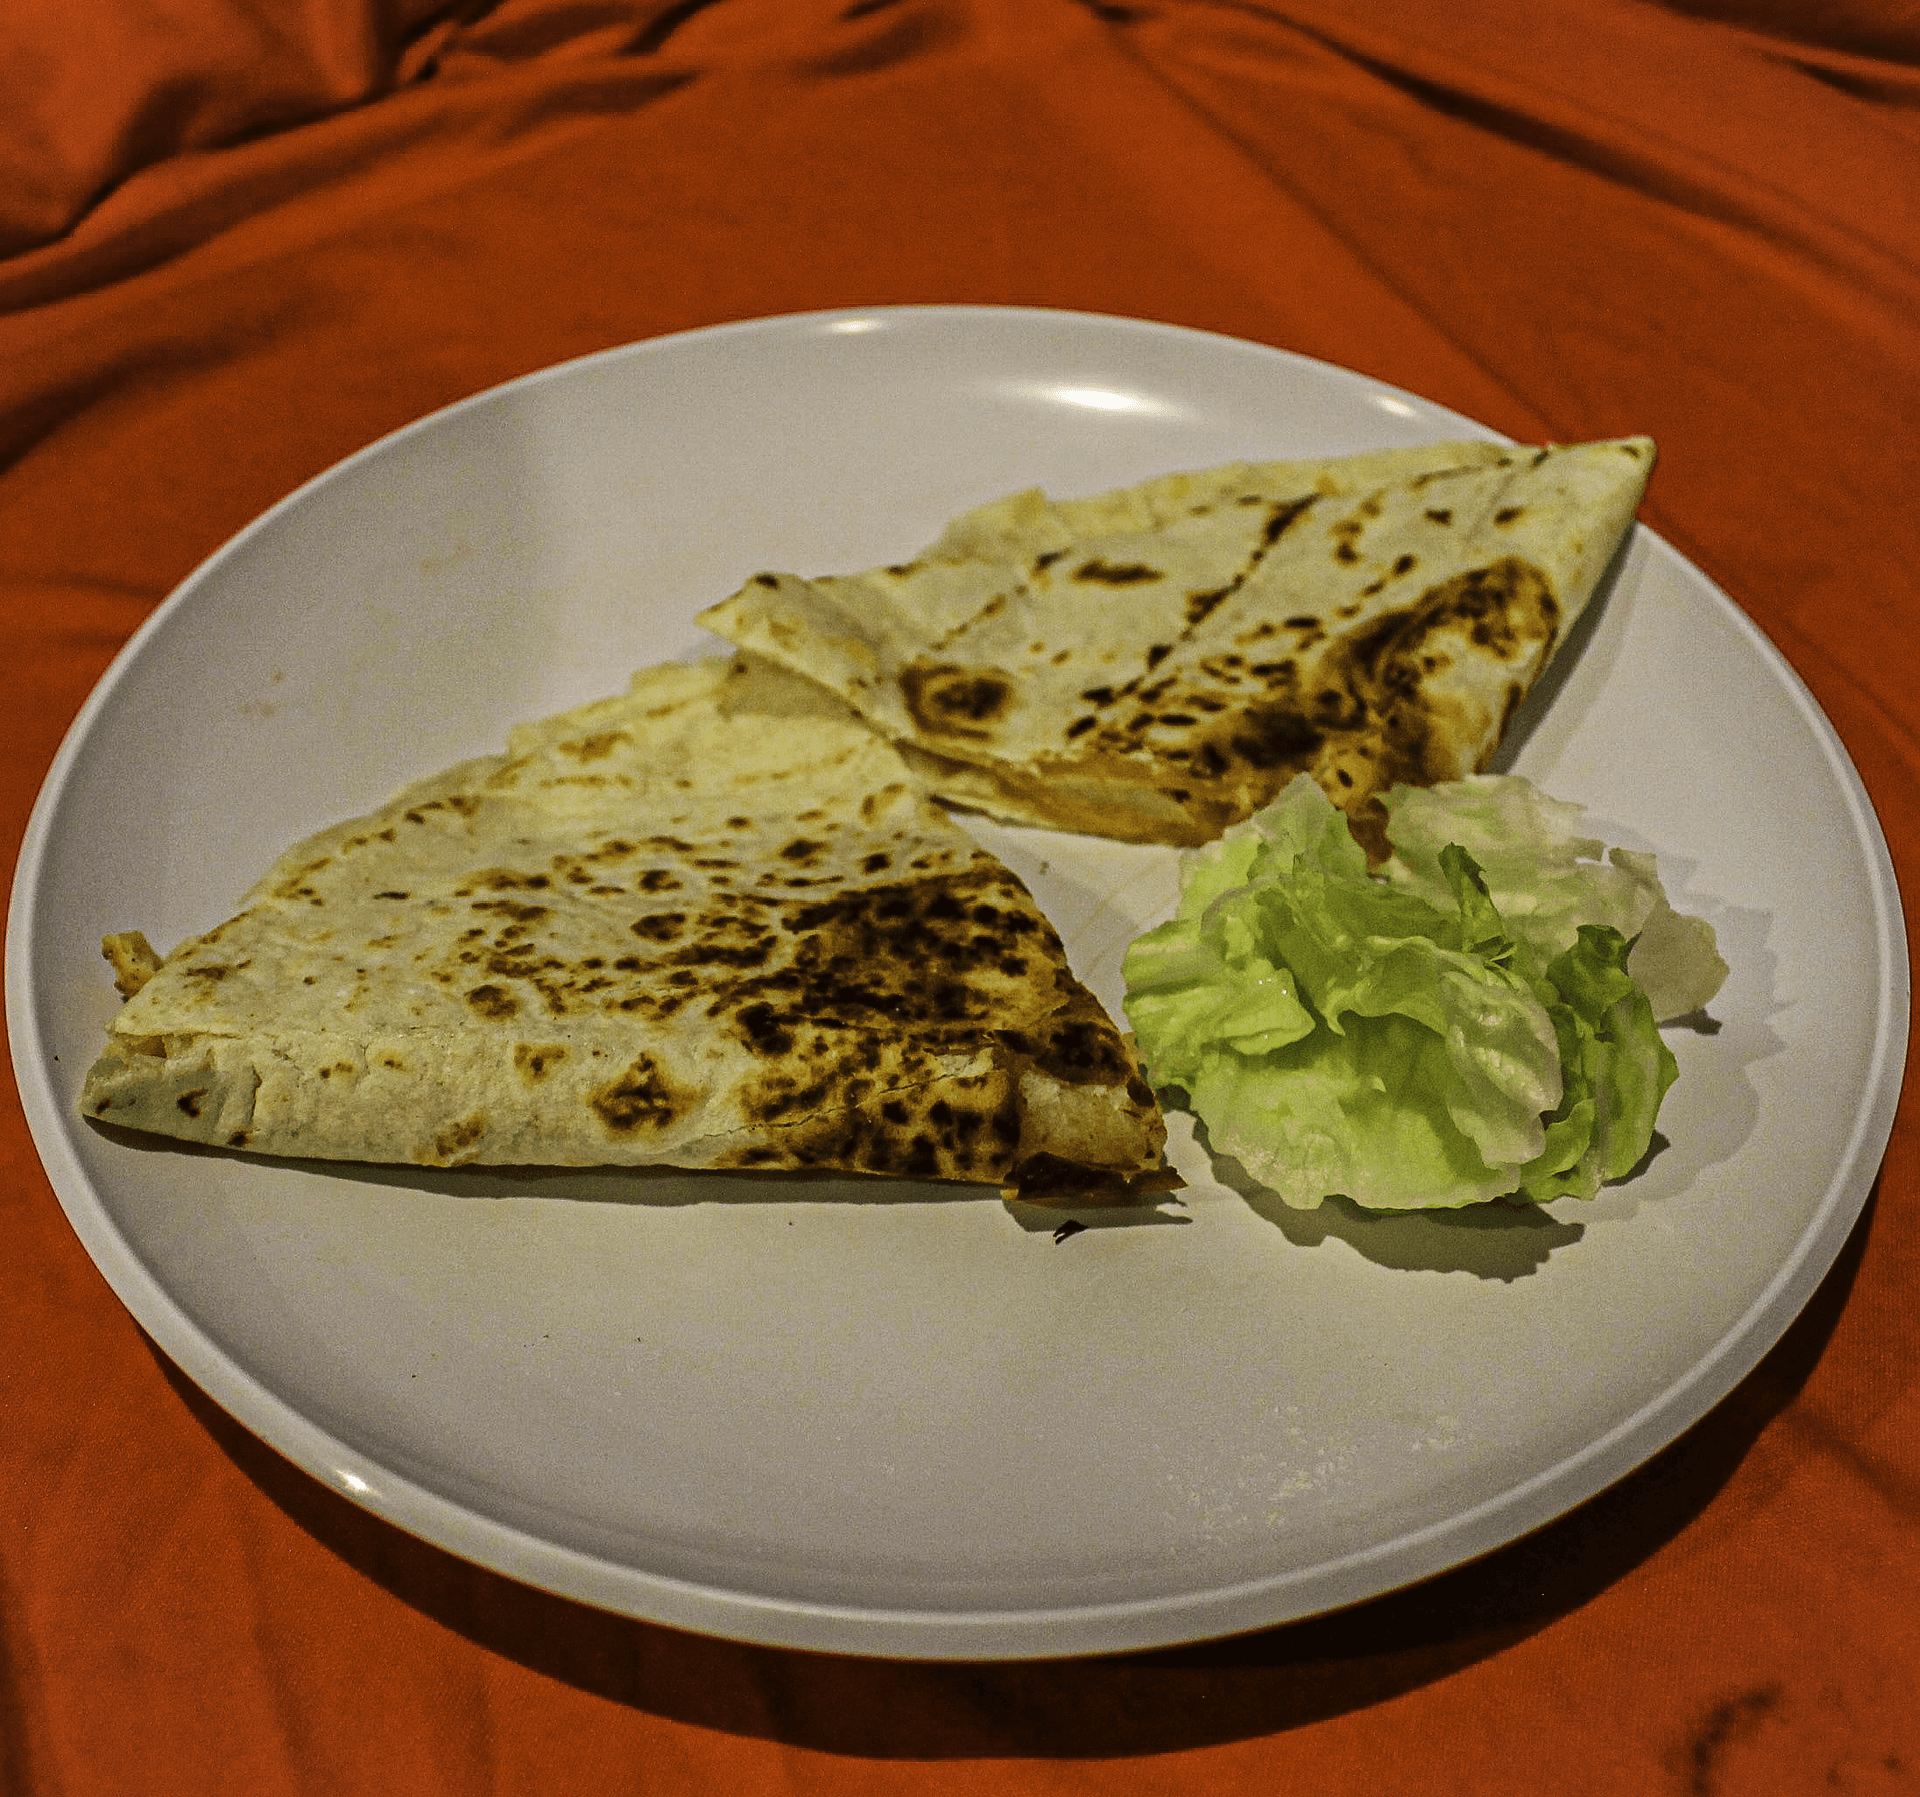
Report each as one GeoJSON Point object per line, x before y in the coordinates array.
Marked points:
{"type": "Point", "coordinates": [700, 924]}
{"type": "Point", "coordinates": [1156, 663]}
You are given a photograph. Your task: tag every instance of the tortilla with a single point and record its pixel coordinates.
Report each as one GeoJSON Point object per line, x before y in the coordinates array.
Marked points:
{"type": "Point", "coordinates": [1156, 663]}
{"type": "Point", "coordinates": [707, 924]}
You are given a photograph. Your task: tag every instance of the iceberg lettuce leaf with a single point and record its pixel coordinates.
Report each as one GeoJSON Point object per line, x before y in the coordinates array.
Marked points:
{"type": "Point", "coordinates": [1547, 878]}
{"type": "Point", "coordinates": [1400, 1040]}
{"type": "Point", "coordinates": [1616, 1070]}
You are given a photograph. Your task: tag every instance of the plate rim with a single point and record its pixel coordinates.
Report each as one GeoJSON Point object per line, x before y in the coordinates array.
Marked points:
{"type": "Point", "coordinates": [1012, 1634]}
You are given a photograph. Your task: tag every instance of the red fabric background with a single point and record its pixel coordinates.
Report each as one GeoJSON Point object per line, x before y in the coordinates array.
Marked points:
{"type": "Point", "coordinates": [238, 241]}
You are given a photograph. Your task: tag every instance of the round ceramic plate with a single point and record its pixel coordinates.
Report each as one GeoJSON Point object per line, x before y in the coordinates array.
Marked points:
{"type": "Point", "coordinates": [880, 1418]}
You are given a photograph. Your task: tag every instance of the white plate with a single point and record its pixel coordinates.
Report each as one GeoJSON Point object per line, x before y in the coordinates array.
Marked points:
{"type": "Point", "coordinates": [837, 1419]}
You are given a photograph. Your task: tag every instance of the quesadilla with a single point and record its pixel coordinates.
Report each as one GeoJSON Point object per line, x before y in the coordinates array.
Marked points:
{"type": "Point", "coordinates": [710, 923]}
{"type": "Point", "coordinates": [1156, 663]}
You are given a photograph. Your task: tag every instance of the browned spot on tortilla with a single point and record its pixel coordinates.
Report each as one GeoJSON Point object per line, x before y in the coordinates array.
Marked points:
{"type": "Point", "coordinates": [596, 747]}
{"type": "Point", "coordinates": [458, 1136]}
{"type": "Point", "coordinates": [505, 879]}
{"type": "Point", "coordinates": [946, 700]}
{"type": "Point", "coordinates": [1346, 534]}
{"type": "Point", "coordinates": [643, 1100]}
{"type": "Point", "coordinates": [1201, 606]}
{"type": "Point", "coordinates": [1075, 1044]}
{"type": "Point", "coordinates": [294, 885]}
{"type": "Point", "coordinates": [189, 1102]}
{"type": "Point", "coordinates": [534, 1063]}
{"type": "Point", "coordinates": [1117, 574]}
{"type": "Point", "coordinates": [1282, 517]}
{"type": "Point", "coordinates": [494, 1003]}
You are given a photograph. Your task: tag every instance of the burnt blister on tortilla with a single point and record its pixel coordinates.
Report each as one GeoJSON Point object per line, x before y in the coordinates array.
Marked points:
{"type": "Point", "coordinates": [948, 700]}
{"type": "Point", "coordinates": [643, 1098]}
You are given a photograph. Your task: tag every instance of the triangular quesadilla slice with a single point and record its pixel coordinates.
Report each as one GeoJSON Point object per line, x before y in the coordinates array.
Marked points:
{"type": "Point", "coordinates": [700, 925]}
{"type": "Point", "coordinates": [1156, 663]}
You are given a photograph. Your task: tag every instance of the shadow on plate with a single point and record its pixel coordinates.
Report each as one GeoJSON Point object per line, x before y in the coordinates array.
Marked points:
{"type": "Point", "coordinates": [1496, 1240]}
{"type": "Point", "coordinates": [1114, 1706]}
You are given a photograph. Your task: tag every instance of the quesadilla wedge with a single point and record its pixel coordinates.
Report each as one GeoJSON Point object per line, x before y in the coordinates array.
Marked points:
{"type": "Point", "coordinates": [1156, 663]}
{"type": "Point", "coordinates": [708, 923]}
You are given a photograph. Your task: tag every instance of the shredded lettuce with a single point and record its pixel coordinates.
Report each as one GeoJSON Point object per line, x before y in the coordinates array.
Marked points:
{"type": "Point", "coordinates": [1470, 1024]}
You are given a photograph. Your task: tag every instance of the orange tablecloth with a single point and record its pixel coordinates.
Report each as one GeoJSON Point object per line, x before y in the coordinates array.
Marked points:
{"type": "Point", "coordinates": [240, 241]}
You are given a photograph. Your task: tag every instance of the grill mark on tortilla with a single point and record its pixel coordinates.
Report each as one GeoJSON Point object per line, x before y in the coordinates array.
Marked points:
{"type": "Point", "coordinates": [1200, 607]}
{"type": "Point", "coordinates": [989, 611]}
{"type": "Point", "coordinates": [1117, 574]}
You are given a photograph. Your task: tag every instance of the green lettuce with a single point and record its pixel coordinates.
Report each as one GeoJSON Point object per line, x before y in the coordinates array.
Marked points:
{"type": "Point", "coordinates": [1548, 877]}
{"type": "Point", "coordinates": [1433, 1037]}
